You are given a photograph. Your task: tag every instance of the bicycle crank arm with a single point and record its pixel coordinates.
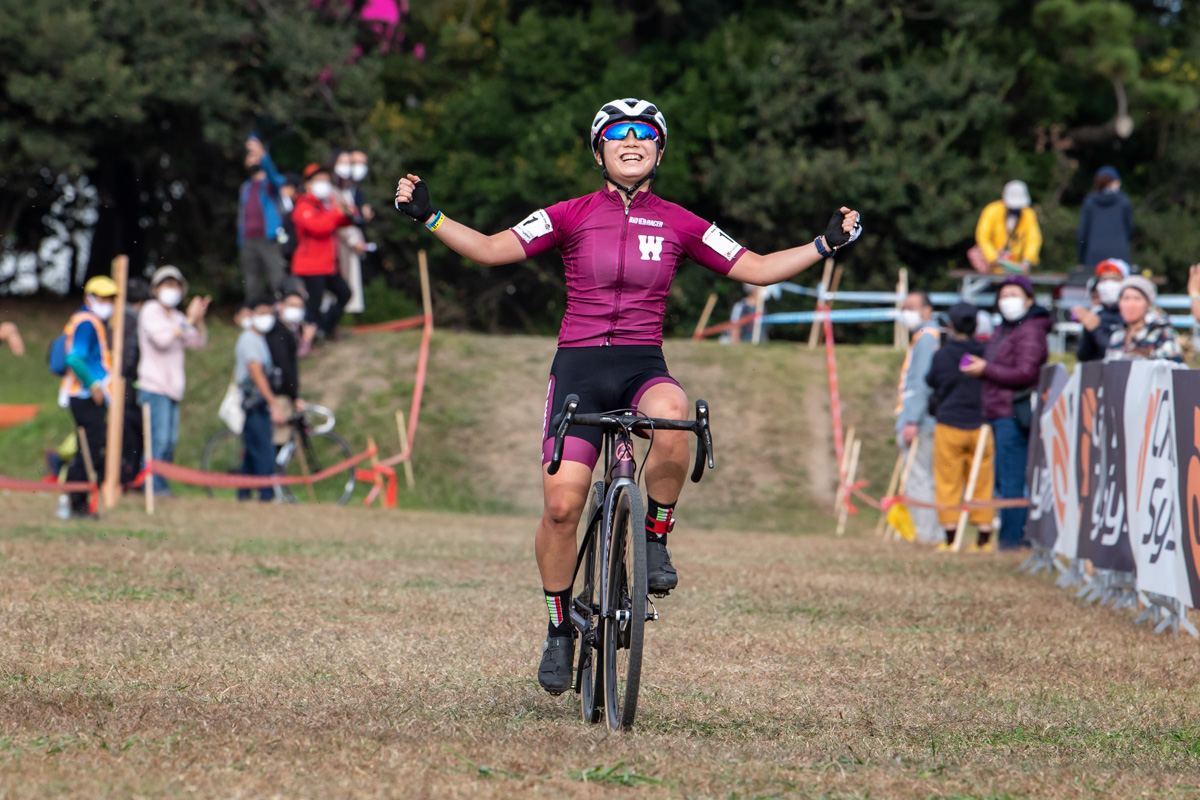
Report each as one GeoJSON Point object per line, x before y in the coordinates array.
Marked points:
{"type": "Point", "coordinates": [652, 614]}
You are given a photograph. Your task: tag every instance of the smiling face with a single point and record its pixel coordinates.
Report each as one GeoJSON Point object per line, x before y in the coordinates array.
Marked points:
{"type": "Point", "coordinates": [630, 159]}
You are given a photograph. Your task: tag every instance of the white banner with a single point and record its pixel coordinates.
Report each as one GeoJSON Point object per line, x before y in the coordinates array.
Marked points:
{"type": "Point", "coordinates": [1060, 440]}
{"type": "Point", "coordinates": [1151, 481]}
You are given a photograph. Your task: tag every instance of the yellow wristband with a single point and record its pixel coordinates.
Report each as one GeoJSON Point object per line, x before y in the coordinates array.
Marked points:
{"type": "Point", "coordinates": [437, 223]}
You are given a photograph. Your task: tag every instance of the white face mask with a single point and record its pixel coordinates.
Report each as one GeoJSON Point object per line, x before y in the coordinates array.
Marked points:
{"type": "Point", "coordinates": [1012, 308]}
{"type": "Point", "coordinates": [170, 297]}
{"type": "Point", "coordinates": [1109, 292]}
{"type": "Point", "coordinates": [358, 172]}
{"type": "Point", "coordinates": [101, 309]}
{"type": "Point", "coordinates": [321, 189]}
{"type": "Point", "coordinates": [292, 315]}
{"type": "Point", "coordinates": [910, 319]}
{"type": "Point", "coordinates": [263, 322]}
{"type": "Point", "coordinates": [344, 171]}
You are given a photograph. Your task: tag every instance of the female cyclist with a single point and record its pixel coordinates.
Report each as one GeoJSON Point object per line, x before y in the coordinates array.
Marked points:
{"type": "Point", "coordinates": [621, 247]}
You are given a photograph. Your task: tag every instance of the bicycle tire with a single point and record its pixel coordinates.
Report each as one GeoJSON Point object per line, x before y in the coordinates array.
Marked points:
{"type": "Point", "coordinates": [219, 457]}
{"type": "Point", "coordinates": [626, 596]}
{"type": "Point", "coordinates": [589, 679]}
{"type": "Point", "coordinates": [321, 450]}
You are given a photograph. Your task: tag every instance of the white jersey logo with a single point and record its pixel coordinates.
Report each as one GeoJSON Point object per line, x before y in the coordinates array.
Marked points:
{"type": "Point", "coordinates": [651, 247]}
{"type": "Point", "coordinates": [719, 241]}
{"type": "Point", "coordinates": [535, 225]}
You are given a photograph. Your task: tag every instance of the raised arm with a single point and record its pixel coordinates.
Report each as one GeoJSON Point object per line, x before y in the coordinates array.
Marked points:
{"type": "Point", "coordinates": [762, 270]}
{"type": "Point", "coordinates": [412, 198]}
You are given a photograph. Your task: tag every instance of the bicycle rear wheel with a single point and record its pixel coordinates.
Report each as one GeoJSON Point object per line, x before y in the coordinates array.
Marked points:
{"type": "Point", "coordinates": [589, 679]}
{"type": "Point", "coordinates": [319, 451]}
{"type": "Point", "coordinates": [626, 595]}
{"type": "Point", "coordinates": [223, 454]}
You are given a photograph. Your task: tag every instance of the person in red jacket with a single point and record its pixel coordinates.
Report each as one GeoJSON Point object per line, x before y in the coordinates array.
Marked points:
{"type": "Point", "coordinates": [318, 214]}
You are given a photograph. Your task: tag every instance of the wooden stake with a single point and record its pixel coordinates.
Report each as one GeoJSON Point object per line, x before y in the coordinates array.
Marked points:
{"type": "Point", "coordinates": [759, 307]}
{"type": "Point", "coordinates": [423, 269]}
{"type": "Point", "coordinates": [148, 481]}
{"type": "Point", "coordinates": [900, 333]}
{"type": "Point", "coordinates": [300, 454]}
{"type": "Point", "coordinates": [854, 450]}
{"type": "Point", "coordinates": [401, 429]}
{"type": "Point", "coordinates": [881, 528]}
{"type": "Point", "coordinates": [116, 405]}
{"type": "Point", "coordinates": [816, 326]}
{"type": "Point", "coordinates": [910, 458]}
{"type": "Point", "coordinates": [843, 473]}
{"type": "Point", "coordinates": [88, 464]}
{"type": "Point", "coordinates": [980, 448]}
{"type": "Point", "coordinates": [703, 323]}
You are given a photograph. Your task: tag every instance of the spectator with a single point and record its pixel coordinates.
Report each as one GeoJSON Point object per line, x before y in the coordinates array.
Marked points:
{"type": "Point", "coordinates": [352, 241]}
{"type": "Point", "coordinates": [914, 424]}
{"type": "Point", "coordinates": [253, 371]}
{"type": "Point", "coordinates": [259, 221]}
{"type": "Point", "coordinates": [137, 292]}
{"type": "Point", "coordinates": [12, 337]}
{"type": "Point", "coordinates": [86, 388]}
{"type": "Point", "coordinates": [1193, 287]}
{"type": "Point", "coordinates": [1106, 221]}
{"type": "Point", "coordinates": [283, 343]}
{"type": "Point", "coordinates": [956, 401]}
{"type": "Point", "coordinates": [287, 228]}
{"type": "Point", "coordinates": [1147, 332]}
{"type": "Point", "coordinates": [1007, 237]}
{"type": "Point", "coordinates": [163, 333]}
{"type": "Point", "coordinates": [319, 213]}
{"type": "Point", "coordinates": [1100, 322]}
{"type": "Point", "coordinates": [1014, 357]}
{"type": "Point", "coordinates": [746, 308]}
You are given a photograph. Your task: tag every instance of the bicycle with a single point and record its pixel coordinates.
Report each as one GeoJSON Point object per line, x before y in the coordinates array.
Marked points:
{"type": "Point", "coordinates": [309, 449]}
{"type": "Point", "coordinates": [609, 612]}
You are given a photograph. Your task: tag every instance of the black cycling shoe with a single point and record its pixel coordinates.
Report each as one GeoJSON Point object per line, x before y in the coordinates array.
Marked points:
{"type": "Point", "coordinates": [660, 572]}
{"type": "Point", "coordinates": [558, 655]}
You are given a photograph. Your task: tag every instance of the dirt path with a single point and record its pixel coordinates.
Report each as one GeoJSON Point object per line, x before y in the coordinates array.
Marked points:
{"type": "Point", "coordinates": [218, 650]}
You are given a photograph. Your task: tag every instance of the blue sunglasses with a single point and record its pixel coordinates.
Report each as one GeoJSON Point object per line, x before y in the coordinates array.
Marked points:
{"type": "Point", "coordinates": [619, 130]}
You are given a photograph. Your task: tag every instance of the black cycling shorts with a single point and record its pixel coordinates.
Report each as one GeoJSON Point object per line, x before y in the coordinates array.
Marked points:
{"type": "Point", "coordinates": [606, 379]}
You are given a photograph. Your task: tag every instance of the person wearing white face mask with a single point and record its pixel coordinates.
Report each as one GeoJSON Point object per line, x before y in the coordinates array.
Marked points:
{"type": "Point", "coordinates": [914, 423]}
{"type": "Point", "coordinates": [1100, 322]}
{"type": "Point", "coordinates": [350, 168]}
{"type": "Point", "coordinates": [164, 332]}
{"type": "Point", "coordinates": [320, 213]}
{"type": "Point", "coordinates": [255, 374]}
{"type": "Point", "coordinates": [86, 387]}
{"type": "Point", "coordinates": [283, 342]}
{"type": "Point", "coordinates": [1009, 370]}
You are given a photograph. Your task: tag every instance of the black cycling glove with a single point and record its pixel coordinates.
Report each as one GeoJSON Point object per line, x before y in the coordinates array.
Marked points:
{"type": "Point", "coordinates": [835, 236]}
{"type": "Point", "coordinates": [419, 208]}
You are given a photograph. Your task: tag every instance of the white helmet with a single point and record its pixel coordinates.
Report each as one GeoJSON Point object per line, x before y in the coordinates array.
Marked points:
{"type": "Point", "coordinates": [629, 110]}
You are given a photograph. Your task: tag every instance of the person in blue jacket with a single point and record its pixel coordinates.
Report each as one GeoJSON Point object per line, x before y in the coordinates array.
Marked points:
{"type": "Point", "coordinates": [259, 221]}
{"type": "Point", "coordinates": [1106, 222]}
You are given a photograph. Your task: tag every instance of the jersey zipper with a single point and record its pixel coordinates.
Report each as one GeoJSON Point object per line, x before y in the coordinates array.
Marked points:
{"type": "Point", "coordinates": [612, 328]}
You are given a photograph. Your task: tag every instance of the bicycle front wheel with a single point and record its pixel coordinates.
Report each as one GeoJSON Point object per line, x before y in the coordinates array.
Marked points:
{"type": "Point", "coordinates": [311, 455]}
{"type": "Point", "coordinates": [625, 593]}
{"type": "Point", "coordinates": [223, 454]}
{"type": "Point", "coordinates": [590, 679]}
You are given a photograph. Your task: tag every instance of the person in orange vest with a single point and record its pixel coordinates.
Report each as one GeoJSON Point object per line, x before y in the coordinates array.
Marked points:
{"type": "Point", "coordinates": [914, 423]}
{"type": "Point", "coordinates": [87, 385]}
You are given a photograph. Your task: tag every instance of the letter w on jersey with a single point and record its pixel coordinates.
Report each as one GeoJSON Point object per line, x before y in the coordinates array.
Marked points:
{"type": "Point", "coordinates": [651, 247]}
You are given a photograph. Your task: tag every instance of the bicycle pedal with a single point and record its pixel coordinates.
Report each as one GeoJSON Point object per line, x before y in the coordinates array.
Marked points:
{"type": "Point", "coordinates": [660, 595]}
{"type": "Point", "coordinates": [652, 615]}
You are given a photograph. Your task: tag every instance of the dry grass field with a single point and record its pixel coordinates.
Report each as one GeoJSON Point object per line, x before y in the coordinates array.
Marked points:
{"type": "Point", "coordinates": [219, 650]}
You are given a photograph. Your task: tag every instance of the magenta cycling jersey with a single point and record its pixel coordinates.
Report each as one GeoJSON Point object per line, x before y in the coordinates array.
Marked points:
{"type": "Point", "coordinates": [620, 262]}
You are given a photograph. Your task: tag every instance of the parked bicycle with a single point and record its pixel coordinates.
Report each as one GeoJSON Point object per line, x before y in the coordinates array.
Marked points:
{"type": "Point", "coordinates": [611, 606]}
{"type": "Point", "coordinates": [309, 449]}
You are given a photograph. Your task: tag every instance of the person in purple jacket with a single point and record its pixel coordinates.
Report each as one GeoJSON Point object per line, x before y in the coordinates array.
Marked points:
{"type": "Point", "coordinates": [621, 247]}
{"type": "Point", "coordinates": [1009, 370]}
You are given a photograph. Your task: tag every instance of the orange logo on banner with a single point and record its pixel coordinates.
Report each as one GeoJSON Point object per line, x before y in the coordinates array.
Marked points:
{"type": "Point", "coordinates": [1151, 412]}
{"type": "Point", "coordinates": [1059, 461]}
{"type": "Point", "coordinates": [1192, 509]}
{"type": "Point", "coordinates": [1088, 410]}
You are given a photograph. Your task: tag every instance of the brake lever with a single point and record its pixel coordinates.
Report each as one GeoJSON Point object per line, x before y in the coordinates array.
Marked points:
{"type": "Point", "coordinates": [703, 442]}
{"type": "Point", "coordinates": [567, 415]}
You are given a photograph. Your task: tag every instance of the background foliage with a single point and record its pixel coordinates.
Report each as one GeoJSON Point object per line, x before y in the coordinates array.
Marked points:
{"type": "Point", "coordinates": [915, 111]}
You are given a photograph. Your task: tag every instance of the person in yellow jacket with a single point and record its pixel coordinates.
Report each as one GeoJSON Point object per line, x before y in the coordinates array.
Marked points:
{"type": "Point", "coordinates": [1007, 236]}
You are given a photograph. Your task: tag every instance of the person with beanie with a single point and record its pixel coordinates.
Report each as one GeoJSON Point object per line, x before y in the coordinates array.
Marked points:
{"type": "Point", "coordinates": [1106, 221]}
{"type": "Point", "coordinates": [956, 402]}
{"type": "Point", "coordinates": [1147, 332]}
{"type": "Point", "coordinates": [1100, 322]}
{"type": "Point", "coordinates": [1009, 370]}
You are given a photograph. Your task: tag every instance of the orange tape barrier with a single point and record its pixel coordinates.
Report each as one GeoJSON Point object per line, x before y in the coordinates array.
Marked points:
{"type": "Point", "coordinates": [220, 480]}
{"type": "Point", "coordinates": [721, 327]}
{"type": "Point", "coordinates": [418, 392]}
{"type": "Point", "coordinates": [384, 480]}
{"type": "Point", "coordinates": [50, 485]}
{"type": "Point", "coordinates": [11, 415]}
{"type": "Point", "coordinates": [885, 503]}
{"type": "Point", "coordinates": [394, 325]}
